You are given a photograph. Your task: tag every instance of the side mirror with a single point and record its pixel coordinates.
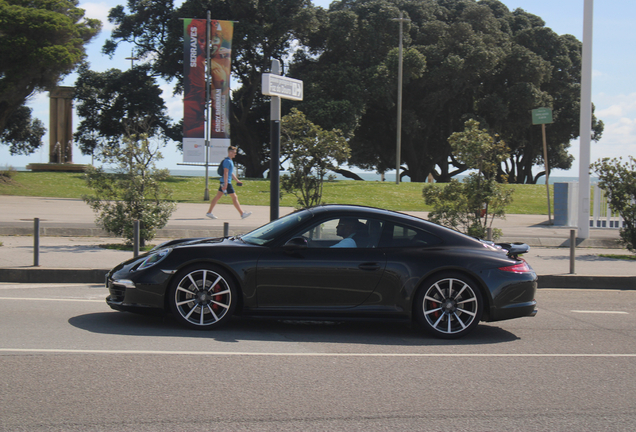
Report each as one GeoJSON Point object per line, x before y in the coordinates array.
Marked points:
{"type": "Point", "coordinates": [296, 243]}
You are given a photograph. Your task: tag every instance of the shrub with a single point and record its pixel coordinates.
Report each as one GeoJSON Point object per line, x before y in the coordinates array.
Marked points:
{"type": "Point", "coordinates": [618, 179]}
{"type": "Point", "coordinates": [7, 174]}
{"type": "Point", "coordinates": [134, 192]}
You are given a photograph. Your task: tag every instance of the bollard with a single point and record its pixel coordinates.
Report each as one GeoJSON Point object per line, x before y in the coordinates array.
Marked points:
{"type": "Point", "coordinates": [226, 229]}
{"type": "Point", "coordinates": [36, 242]}
{"type": "Point", "coordinates": [572, 249]}
{"type": "Point", "coordinates": [489, 234]}
{"type": "Point", "coordinates": [136, 238]}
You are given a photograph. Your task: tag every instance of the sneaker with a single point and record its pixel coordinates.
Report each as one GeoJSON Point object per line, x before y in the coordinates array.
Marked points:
{"type": "Point", "coordinates": [210, 215]}
{"type": "Point", "coordinates": [246, 215]}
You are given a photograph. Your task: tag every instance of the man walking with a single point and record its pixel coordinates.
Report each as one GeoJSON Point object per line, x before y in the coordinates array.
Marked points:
{"type": "Point", "coordinates": [226, 188]}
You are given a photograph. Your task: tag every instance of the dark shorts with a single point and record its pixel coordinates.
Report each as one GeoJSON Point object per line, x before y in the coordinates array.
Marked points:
{"type": "Point", "coordinates": [230, 188]}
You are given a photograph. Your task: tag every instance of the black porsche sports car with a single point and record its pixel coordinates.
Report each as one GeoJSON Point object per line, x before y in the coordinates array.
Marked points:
{"type": "Point", "coordinates": [333, 262]}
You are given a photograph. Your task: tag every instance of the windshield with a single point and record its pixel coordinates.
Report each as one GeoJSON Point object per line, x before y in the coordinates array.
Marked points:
{"type": "Point", "coordinates": [272, 230]}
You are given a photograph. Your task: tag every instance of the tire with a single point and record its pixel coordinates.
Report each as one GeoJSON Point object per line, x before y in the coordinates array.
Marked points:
{"type": "Point", "coordinates": [202, 297]}
{"type": "Point", "coordinates": [449, 305]}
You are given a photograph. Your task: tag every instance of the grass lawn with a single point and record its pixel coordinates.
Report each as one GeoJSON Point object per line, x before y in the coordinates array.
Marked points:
{"type": "Point", "coordinates": [528, 199]}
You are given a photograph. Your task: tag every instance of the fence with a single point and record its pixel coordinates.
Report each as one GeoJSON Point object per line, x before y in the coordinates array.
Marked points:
{"type": "Point", "coordinates": [602, 214]}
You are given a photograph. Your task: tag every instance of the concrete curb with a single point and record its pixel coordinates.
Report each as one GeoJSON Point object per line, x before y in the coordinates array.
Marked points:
{"type": "Point", "coordinates": [97, 276]}
{"type": "Point", "coordinates": [591, 282]}
{"type": "Point", "coordinates": [49, 275]}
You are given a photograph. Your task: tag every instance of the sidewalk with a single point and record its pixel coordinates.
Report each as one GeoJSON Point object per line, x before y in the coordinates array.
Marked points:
{"type": "Point", "coordinates": [70, 243]}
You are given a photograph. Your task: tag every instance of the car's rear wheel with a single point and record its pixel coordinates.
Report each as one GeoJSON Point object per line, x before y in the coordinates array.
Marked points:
{"type": "Point", "coordinates": [203, 297]}
{"type": "Point", "coordinates": [449, 305]}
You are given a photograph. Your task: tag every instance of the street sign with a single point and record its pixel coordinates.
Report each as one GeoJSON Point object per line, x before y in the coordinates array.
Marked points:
{"type": "Point", "coordinates": [283, 87]}
{"type": "Point", "coordinates": [541, 116]}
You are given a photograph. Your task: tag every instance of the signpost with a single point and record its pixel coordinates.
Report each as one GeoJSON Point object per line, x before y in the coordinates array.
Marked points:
{"type": "Point", "coordinates": [281, 86]}
{"type": "Point", "coordinates": [277, 87]}
{"type": "Point", "coordinates": [543, 116]}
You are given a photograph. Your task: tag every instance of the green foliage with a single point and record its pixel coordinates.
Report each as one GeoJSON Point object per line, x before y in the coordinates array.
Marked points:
{"type": "Point", "coordinates": [134, 193]}
{"type": "Point", "coordinates": [466, 206]}
{"type": "Point", "coordinates": [482, 61]}
{"type": "Point", "coordinates": [472, 205]}
{"type": "Point", "coordinates": [311, 153]}
{"type": "Point", "coordinates": [107, 102]}
{"type": "Point", "coordinates": [7, 174]}
{"type": "Point", "coordinates": [618, 180]}
{"type": "Point", "coordinates": [475, 148]}
{"type": "Point", "coordinates": [41, 41]}
{"type": "Point", "coordinates": [22, 133]}
{"type": "Point", "coordinates": [268, 29]}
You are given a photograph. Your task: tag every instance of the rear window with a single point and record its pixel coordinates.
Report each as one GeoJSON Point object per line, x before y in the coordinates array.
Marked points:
{"type": "Point", "coordinates": [402, 236]}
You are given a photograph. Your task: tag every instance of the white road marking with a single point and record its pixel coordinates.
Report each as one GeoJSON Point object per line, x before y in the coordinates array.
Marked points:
{"type": "Point", "coordinates": [600, 312]}
{"type": "Point", "coordinates": [275, 354]}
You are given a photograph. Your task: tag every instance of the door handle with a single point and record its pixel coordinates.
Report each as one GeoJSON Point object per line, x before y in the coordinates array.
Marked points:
{"type": "Point", "coordinates": [371, 266]}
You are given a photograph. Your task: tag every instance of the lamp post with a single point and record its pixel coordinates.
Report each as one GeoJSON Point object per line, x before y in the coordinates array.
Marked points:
{"type": "Point", "coordinates": [585, 132]}
{"type": "Point", "coordinates": [398, 152]}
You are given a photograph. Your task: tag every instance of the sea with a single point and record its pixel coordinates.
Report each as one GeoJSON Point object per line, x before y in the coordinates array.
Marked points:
{"type": "Point", "coordinates": [371, 176]}
{"type": "Point", "coordinates": [365, 175]}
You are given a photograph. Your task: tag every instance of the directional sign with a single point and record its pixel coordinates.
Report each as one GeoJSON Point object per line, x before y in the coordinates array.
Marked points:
{"type": "Point", "coordinates": [283, 87]}
{"type": "Point", "coordinates": [541, 116]}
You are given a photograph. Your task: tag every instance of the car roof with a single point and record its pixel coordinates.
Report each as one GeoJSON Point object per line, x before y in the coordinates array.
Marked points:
{"type": "Point", "coordinates": [365, 211]}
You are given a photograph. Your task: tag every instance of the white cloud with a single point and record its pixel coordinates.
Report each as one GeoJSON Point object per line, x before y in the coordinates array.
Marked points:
{"type": "Point", "coordinates": [174, 103]}
{"type": "Point", "coordinates": [623, 105]}
{"type": "Point", "coordinates": [99, 11]}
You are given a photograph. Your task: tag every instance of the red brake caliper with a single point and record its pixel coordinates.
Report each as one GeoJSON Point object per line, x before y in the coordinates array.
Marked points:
{"type": "Point", "coordinates": [218, 298]}
{"type": "Point", "coordinates": [433, 306]}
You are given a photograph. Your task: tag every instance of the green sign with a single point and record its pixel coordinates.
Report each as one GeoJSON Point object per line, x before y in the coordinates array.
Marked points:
{"type": "Point", "coordinates": [541, 116]}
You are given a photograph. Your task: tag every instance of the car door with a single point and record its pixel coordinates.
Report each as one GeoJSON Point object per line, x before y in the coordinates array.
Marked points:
{"type": "Point", "coordinates": [320, 275]}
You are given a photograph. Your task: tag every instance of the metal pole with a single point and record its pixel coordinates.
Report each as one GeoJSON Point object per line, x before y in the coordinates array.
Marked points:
{"type": "Point", "coordinates": [572, 250]}
{"type": "Point", "coordinates": [398, 150]}
{"type": "Point", "coordinates": [206, 194]}
{"type": "Point", "coordinates": [586, 121]}
{"type": "Point", "coordinates": [36, 242]}
{"type": "Point", "coordinates": [547, 172]}
{"type": "Point", "coordinates": [226, 229]}
{"type": "Point", "coordinates": [274, 170]}
{"type": "Point", "coordinates": [135, 238]}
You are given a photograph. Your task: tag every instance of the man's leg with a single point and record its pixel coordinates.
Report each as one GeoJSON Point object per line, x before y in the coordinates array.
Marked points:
{"type": "Point", "coordinates": [215, 200]}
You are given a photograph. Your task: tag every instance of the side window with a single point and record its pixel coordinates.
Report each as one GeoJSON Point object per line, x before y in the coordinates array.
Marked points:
{"type": "Point", "coordinates": [406, 236]}
{"type": "Point", "coordinates": [345, 233]}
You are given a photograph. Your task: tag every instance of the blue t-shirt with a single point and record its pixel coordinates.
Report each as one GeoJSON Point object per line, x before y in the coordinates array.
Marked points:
{"type": "Point", "coordinates": [229, 164]}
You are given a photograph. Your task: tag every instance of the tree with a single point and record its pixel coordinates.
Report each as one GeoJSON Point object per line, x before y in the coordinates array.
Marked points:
{"type": "Point", "coordinates": [468, 205]}
{"type": "Point", "coordinates": [134, 193]}
{"type": "Point", "coordinates": [482, 61]}
{"type": "Point", "coordinates": [109, 102]}
{"type": "Point", "coordinates": [41, 41]}
{"type": "Point", "coordinates": [22, 133]}
{"type": "Point", "coordinates": [618, 180]}
{"type": "Point", "coordinates": [311, 152]}
{"type": "Point", "coordinates": [266, 30]}
{"type": "Point", "coordinates": [542, 69]}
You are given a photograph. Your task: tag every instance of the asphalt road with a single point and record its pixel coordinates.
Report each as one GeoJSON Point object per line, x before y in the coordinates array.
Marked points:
{"type": "Point", "coordinates": [70, 363]}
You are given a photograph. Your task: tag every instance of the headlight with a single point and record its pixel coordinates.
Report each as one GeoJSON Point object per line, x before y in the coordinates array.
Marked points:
{"type": "Point", "coordinates": [154, 258]}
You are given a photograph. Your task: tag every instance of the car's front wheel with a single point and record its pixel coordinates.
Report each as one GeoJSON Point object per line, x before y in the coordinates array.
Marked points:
{"type": "Point", "coordinates": [202, 297]}
{"type": "Point", "coordinates": [449, 305]}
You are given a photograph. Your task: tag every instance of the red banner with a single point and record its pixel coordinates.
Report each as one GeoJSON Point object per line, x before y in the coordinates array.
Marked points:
{"type": "Point", "coordinates": [195, 51]}
{"type": "Point", "coordinates": [194, 48]}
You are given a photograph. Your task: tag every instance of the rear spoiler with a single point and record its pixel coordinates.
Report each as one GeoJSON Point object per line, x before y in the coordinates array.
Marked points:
{"type": "Point", "coordinates": [513, 250]}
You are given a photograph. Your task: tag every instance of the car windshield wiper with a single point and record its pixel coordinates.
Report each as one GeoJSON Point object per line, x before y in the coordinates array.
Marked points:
{"type": "Point", "coordinates": [238, 237]}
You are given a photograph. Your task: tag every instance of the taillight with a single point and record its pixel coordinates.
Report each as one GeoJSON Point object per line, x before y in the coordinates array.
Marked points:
{"type": "Point", "coordinates": [521, 267]}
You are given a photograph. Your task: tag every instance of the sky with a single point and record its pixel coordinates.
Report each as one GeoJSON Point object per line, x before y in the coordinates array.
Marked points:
{"type": "Point", "coordinates": [613, 83]}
